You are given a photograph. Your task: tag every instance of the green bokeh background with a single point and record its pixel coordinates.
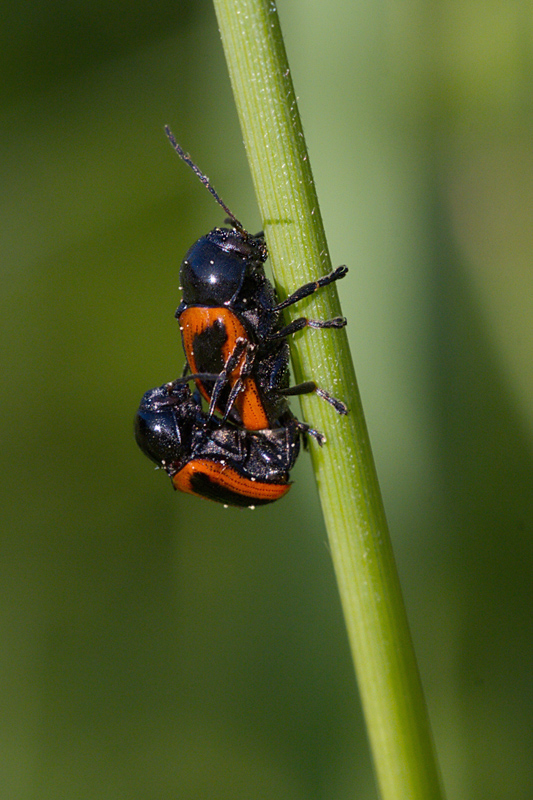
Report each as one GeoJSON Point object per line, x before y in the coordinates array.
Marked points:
{"type": "Point", "coordinates": [158, 646]}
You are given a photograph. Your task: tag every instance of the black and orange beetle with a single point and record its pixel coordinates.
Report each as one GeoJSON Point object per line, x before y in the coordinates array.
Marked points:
{"type": "Point", "coordinates": [233, 336]}
{"type": "Point", "coordinates": [211, 458]}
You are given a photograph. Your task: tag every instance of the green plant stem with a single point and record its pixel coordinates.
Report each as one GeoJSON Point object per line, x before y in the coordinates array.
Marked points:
{"type": "Point", "coordinates": [386, 668]}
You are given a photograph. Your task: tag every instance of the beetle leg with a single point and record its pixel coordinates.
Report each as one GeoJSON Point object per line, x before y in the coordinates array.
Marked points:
{"type": "Point", "coordinates": [238, 386]}
{"type": "Point", "coordinates": [310, 386]}
{"type": "Point", "coordinates": [302, 322]}
{"type": "Point", "coordinates": [310, 288]}
{"type": "Point", "coordinates": [223, 378]}
{"type": "Point", "coordinates": [307, 430]}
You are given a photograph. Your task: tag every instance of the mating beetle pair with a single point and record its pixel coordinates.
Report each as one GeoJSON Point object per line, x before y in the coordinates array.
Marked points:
{"type": "Point", "coordinates": [237, 353]}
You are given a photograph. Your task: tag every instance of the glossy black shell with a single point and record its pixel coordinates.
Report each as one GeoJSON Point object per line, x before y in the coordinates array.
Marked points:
{"type": "Point", "coordinates": [216, 267]}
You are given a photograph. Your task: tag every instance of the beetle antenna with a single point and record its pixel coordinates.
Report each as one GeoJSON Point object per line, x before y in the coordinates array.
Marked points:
{"type": "Point", "coordinates": [205, 180]}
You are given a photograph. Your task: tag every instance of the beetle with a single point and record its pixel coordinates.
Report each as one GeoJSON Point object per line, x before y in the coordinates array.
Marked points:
{"type": "Point", "coordinates": [211, 458]}
{"type": "Point", "coordinates": [230, 320]}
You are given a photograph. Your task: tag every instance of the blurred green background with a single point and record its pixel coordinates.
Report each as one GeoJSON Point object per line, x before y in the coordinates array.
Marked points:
{"type": "Point", "coordinates": [155, 645]}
